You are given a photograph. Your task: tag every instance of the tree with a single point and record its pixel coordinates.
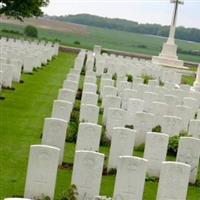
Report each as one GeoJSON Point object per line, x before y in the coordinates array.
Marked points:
{"type": "Point", "coordinates": [20, 9]}
{"type": "Point", "coordinates": [31, 31]}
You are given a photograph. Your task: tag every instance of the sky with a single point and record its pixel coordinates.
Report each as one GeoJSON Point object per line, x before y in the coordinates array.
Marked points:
{"type": "Point", "coordinates": [142, 11]}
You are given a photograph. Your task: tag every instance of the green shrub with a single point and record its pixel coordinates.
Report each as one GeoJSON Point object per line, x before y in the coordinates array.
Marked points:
{"type": "Point", "coordinates": [129, 126]}
{"type": "Point", "coordinates": [104, 140]}
{"type": "Point", "coordinates": [31, 31]}
{"type": "Point", "coordinates": [161, 83]}
{"type": "Point", "coordinates": [147, 78]}
{"type": "Point", "coordinates": [130, 78]}
{"type": "Point", "coordinates": [173, 143]}
{"type": "Point", "coordinates": [70, 194]}
{"type": "Point", "coordinates": [11, 32]}
{"type": "Point", "coordinates": [114, 77]}
{"type": "Point", "coordinates": [72, 132]}
{"type": "Point", "coordinates": [140, 148]}
{"type": "Point", "coordinates": [157, 129]}
{"type": "Point", "coordinates": [77, 42]}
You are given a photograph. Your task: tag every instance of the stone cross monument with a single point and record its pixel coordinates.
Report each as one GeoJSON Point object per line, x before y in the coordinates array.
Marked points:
{"type": "Point", "coordinates": [168, 56]}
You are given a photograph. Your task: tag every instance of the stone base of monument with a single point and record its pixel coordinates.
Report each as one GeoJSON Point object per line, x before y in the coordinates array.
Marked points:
{"type": "Point", "coordinates": [168, 57]}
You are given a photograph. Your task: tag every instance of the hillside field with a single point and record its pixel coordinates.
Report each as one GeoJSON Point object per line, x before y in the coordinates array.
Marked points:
{"type": "Point", "coordinates": [107, 38]}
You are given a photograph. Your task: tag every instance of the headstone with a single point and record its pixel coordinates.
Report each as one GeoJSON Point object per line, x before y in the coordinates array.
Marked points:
{"type": "Point", "coordinates": [143, 123]}
{"type": "Point", "coordinates": [54, 134]}
{"type": "Point", "coordinates": [90, 79]}
{"type": "Point", "coordinates": [194, 127]}
{"type": "Point", "coordinates": [134, 105]}
{"type": "Point", "coordinates": [62, 110]}
{"type": "Point", "coordinates": [89, 113]}
{"type": "Point", "coordinates": [130, 178]}
{"type": "Point", "coordinates": [71, 85]}
{"type": "Point", "coordinates": [90, 87]}
{"type": "Point", "coordinates": [89, 98]}
{"type": "Point", "coordinates": [42, 171]}
{"type": "Point", "coordinates": [122, 144]}
{"type": "Point", "coordinates": [116, 118]}
{"type": "Point", "coordinates": [127, 94]}
{"type": "Point", "coordinates": [87, 173]}
{"type": "Point", "coordinates": [89, 136]}
{"type": "Point", "coordinates": [174, 179]}
{"type": "Point", "coordinates": [67, 95]}
{"type": "Point", "coordinates": [171, 125]}
{"type": "Point", "coordinates": [155, 152]}
{"type": "Point", "coordinates": [189, 153]}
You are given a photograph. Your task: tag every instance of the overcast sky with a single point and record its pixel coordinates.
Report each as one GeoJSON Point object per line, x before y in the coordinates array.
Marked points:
{"type": "Point", "coordinates": [143, 11]}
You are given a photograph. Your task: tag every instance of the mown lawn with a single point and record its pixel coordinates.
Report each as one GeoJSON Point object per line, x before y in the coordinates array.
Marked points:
{"type": "Point", "coordinates": [22, 116]}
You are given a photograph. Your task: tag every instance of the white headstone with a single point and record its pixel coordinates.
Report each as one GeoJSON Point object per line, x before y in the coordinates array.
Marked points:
{"type": "Point", "coordinates": [130, 178]}
{"type": "Point", "coordinates": [42, 171]}
{"type": "Point", "coordinates": [88, 137]}
{"type": "Point", "coordinates": [194, 127]}
{"type": "Point", "coordinates": [189, 153]}
{"type": "Point", "coordinates": [122, 144]}
{"type": "Point", "coordinates": [155, 152]}
{"type": "Point", "coordinates": [174, 179]}
{"type": "Point", "coordinates": [54, 134]}
{"type": "Point", "coordinates": [87, 173]}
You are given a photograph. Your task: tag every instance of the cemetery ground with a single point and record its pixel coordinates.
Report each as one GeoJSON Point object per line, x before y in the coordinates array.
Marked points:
{"type": "Point", "coordinates": [22, 118]}
{"type": "Point", "coordinates": [108, 38]}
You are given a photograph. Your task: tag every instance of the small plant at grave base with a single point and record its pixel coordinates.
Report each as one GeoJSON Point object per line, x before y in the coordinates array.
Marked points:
{"type": "Point", "coordinates": [112, 171]}
{"type": "Point", "coordinates": [140, 148]}
{"type": "Point", "coordinates": [114, 77]}
{"type": "Point", "coordinates": [173, 143]}
{"type": "Point", "coordinates": [44, 198]}
{"type": "Point", "coordinates": [129, 126]}
{"type": "Point", "coordinates": [77, 42]}
{"type": "Point", "coordinates": [161, 83]}
{"type": "Point", "coordinates": [157, 129]}
{"type": "Point", "coordinates": [147, 78]}
{"type": "Point", "coordinates": [70, 194]}
{"type": "Point", "coordinates": [72, 132]}
{"type": "Point", "coordinates": [152, 179]}
{"type": "Point", "coordinates": [83, 71]}
{"type": "Point", "coordinates": [79, 94]}
{"type": "Point", "coordinates": [105, 70]}
{"type": "Point", "coordinates": [129, 78]}
{"type": "Point", "coordinates": [31, 31]}
{"type": "Point", "coordinates": [196, 115]}
{"type": "Point", "coordinates": [104, 140]}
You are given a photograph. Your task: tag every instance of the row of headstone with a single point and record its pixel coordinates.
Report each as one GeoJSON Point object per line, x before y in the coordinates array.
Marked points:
{"type": "Point", "coordinates": [44, 159]}
{"type": "Point", "coordinates": [19, 55]}
{"type": "Point", "coordinates": [130, 177]}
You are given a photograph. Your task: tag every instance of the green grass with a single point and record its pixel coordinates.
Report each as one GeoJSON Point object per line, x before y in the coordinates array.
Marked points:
{"type": "Point", "coordinates": [112, 39]}
{"type": "Point", "coordinates": [22, 117]}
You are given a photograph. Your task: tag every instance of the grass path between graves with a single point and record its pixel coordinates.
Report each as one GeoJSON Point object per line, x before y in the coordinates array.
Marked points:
{"type": "Point", "coordinates": [22, 115]}
{"type": "Point", "coordinates": [21, 120]}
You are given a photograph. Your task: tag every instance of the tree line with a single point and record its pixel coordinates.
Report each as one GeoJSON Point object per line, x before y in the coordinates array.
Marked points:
{"type": "Point", "coordinates": [189, 34]}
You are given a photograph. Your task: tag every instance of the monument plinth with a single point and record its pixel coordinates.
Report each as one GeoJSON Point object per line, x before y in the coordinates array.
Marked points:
{"type": "Point", "coordinates": [168, 56]}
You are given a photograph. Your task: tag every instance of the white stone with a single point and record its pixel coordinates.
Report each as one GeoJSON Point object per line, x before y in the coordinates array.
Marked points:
{"type": "Point", "coordinates": [194, 127]}
{"type": "Point", "coordinates": [173, 183]}
{"type": "Point", "coordinates": [116, 118]}
{"type": "Point", "coordinates": [90, 79]}
{"type": "Point", "coordinates": [172, 101]}
{"type": "Point", "coordinates": [87, 173]}
{"type": "Point", "coordinates": [105, 82]}
{"type": "Point", "coordinates": [122, 85]}
{"type": "Point", "coordinates": [88, 137]}
{"type": "Point", "coordinates": [89, 98]}
{"type": "Point", "coordinates": [191, 102]}
{"type": "Point", "coordinates": [130, 178]}
{"type": "Point", "coordinates": [89, 113]}
{"type": "Point", "coordinates": [127, 94]}
{"type": "Point", "coordinates": [62, 110]}
{"type": "Point", "coordinates": [171, 125]}
{"type": "Point", "coordinates": [110, 102]}
{"type": "Point", "coordinates": [143, 123]}
{"type": "Point", "coordinates": [189, 153]}
{"type": "Point", "coordinates": [185, 113]}
{"type": "Point", "coordinates": [42, 171]}
{"type": "Point", "coordinates": [67, 95]}
{"type": "Point", "coordinates": [155, 152]}
{"type": "Point", "coordinates": [71, 85]}
{"type": "Point", "coordinates": [90, 87]}
{"type": "Point", "coordinates": [122, 144]}
{"type": "Point", "coordinates": [54, 134]}
{"type": "Point", "coordinates": [149, 97]}
{"type": "Point", "coordinates": [134, 105]}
